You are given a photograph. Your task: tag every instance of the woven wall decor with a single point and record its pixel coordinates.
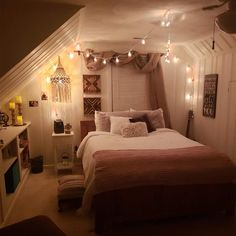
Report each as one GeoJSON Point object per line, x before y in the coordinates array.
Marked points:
{"type": "Point", "coordinates": [91, 105]}
{"type": "Point", "coordinates": [91, 83]}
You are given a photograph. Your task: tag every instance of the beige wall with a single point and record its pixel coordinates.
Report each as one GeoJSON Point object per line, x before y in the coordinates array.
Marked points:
{"type": "Point", "coordinates": [219, 132]}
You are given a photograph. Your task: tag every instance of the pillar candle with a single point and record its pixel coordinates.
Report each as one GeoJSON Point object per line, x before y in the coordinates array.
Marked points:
{"type": "Point", "coordinates": [19, 120]}
{"type": "Point", "coordinates": [18, 99]}
{"type": "Point", "coordinates": [11, 105]}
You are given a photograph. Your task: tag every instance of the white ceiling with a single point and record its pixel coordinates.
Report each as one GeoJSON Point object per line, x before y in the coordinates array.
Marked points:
{"type": "Point", "coordinates": [122, 20]}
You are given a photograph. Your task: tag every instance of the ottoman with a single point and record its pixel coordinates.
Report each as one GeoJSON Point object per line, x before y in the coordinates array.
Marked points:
{"type": "Point", "coordinates": [70, 191]}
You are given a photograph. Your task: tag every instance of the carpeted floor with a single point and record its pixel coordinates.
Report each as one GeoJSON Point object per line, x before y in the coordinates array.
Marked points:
{"type": "Point", "coordinates": [38, 197]}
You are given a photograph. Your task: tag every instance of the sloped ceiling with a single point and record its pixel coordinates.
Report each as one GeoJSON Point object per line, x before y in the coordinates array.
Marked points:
{"type": "Point", "coordinates": [25, 24]}
{"type": "Point", "coordinates": [22, 73]}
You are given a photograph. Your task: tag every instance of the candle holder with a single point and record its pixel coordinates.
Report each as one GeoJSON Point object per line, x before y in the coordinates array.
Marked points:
{"type": "Point", "coordinates": [19, 108]}
{"type": "Point", "coordinates": [13, 116]}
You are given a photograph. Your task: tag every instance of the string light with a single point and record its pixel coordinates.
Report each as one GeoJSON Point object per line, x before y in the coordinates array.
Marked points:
{"type": "Point", "coordinates": [175, 59]}
{"type": "Point", "coordinates": [77, 47]}
{"type": "Point", "coordinates": [87, 54]}
{"type": "Point", "coordinates": [71, 55]}
{"type": "Point", "coordinates": [167, 55]}
{"type": "Point", "coordinates": [117, 60]}
{"type": "Point", "coordinates": [104, 61]}
{"type": "Point", "coordinates": [167, 18]}
{"type": "Point", "coordinates": [190, 80]}
{"type": "Point", "coordinates": [129, 52]}
{"type": "Point", "coordinates": [188, 96]}
{"type": "Point", "coordinates": [188, 68]}
{"type": "Point", "coordinates": [48, 79]}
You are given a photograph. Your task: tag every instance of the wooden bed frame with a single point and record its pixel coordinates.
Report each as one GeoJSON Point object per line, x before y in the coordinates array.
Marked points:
{"type": "Point", "coordinates": [135, 204]}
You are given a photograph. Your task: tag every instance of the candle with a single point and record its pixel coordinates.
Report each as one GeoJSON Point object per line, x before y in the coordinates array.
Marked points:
{"type": "Point", "coordinates": [18, 99]}
{"type": "Point", "coordinates": [11, 105]}
{"type": "Point", "coordinates": [19, 120]}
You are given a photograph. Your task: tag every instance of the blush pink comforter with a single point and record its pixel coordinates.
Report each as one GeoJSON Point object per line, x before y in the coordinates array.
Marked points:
{"type": "Point", "coordinates": [121, 169]}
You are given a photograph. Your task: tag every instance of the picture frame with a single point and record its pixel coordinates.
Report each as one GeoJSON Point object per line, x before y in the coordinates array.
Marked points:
{"type": "Point", "coordinates": [92, 104]}
{"type": "Point", "coordinates": [91, 84]}
{"type": "Point", "coordinates": [210, 95]}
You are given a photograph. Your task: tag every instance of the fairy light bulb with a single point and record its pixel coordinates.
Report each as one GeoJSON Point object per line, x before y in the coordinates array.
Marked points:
{"type": "Point", "coordinates": [188, 68]}
{"type": "Point", "coordinates": [104, 61]}
{"type": "Point", "coordinates": [190, 80]}
{"type": "Point", "coordinates": [117, 60]}
{"type": "Point", "coordinates": [71, 55]}
{"type": "Point", "coordinates": [143, 41]}
{"type": "Point", "coordinates": [48, 79]}
{"type": "Point", "coordinates": [95, 59]}
{"type": "Point", "coordinates": [129, 54]}
{"type": "Point", "coordinates": [87, 54]}
{"type": "Point", "coordinates": [176, 59]}
{"type": "Point", "coordinates": [188, 96]}
{"type": "Point", "coordinates": [77, 47]}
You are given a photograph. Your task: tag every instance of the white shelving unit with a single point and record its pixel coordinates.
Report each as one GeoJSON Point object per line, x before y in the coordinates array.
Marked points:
{"type": "Point", "coordinates": [63, 151]}
{"type": "Point", "coordinates": [14, 156]}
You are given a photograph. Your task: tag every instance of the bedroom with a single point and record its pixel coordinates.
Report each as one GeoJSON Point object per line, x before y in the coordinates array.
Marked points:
{"type": "Point", "coordinates": [92, 27]}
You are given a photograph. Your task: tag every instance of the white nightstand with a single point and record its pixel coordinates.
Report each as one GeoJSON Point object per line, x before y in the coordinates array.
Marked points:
{"type": "Point", "coordinates": [63, 151]}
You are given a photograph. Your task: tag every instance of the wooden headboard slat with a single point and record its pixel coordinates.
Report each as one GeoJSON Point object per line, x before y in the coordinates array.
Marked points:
{"type": "Point", "coordinates": [86, 126]}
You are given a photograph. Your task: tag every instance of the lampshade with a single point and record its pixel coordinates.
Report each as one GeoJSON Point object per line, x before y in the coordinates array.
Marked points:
{"type": "Point", "coordinates": [60, 84]}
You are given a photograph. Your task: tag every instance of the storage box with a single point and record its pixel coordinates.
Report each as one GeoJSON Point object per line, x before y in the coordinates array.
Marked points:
{"type": "Point", "coordinates": [12, 177]}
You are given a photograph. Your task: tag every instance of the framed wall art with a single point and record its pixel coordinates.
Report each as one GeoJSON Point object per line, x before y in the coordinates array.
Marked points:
{"type": "Point", "coordinates": [210, 95]}
{"type": "Point", "coordinates": [91, 83]}
{"type": "Point", "coordinates": [92, 104]}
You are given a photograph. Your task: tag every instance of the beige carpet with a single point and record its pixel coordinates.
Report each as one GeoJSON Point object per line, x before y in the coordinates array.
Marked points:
{"type": "Point", "coordinates": [39, 197]}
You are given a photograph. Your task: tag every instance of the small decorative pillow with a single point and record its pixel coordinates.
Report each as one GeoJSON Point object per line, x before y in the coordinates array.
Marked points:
{"type": "Point", "coordinates": [143, 118]}
{"type": "Point", "coordinates": [117, 122]}
{"type": "Point", "coordinates": [137, 129]}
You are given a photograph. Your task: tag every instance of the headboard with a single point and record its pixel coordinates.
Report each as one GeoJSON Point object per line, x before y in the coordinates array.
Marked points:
{"type": "Point", "coordinates": [86, 126]}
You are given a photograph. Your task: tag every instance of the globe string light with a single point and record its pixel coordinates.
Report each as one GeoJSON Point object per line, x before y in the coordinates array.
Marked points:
{"type": "Point", "coordinates": [165, 22]}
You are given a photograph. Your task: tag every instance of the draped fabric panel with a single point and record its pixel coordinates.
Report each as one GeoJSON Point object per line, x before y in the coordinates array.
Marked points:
{"type": "Point", "coordinates": [145, 63]}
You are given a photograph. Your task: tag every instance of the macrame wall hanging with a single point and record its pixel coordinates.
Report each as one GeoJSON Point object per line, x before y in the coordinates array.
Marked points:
{"type": "Point", "coordinates": [60, 85]}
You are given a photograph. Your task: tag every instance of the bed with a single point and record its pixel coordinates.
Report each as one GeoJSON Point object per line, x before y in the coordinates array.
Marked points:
{"type": "Point", "coordinates": [159, 175]}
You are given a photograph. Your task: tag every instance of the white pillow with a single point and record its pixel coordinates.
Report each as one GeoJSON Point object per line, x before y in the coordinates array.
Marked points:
{"type": "Point", "coordinates": [117, 122]}
{"type": "Point", "coordinates": [102, 121]}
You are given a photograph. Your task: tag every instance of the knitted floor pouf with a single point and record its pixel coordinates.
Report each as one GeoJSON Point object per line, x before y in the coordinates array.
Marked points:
{"type": "Point", "coordinates": [70, 191]}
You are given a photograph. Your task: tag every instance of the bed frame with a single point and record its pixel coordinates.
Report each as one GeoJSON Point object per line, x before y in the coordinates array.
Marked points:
{"type": "Point", "coordinates": [138, 204]}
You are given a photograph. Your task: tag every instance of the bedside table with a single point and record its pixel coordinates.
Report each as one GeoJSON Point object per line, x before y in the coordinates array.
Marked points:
{"type": "Point", "coordinates": [63, 151]}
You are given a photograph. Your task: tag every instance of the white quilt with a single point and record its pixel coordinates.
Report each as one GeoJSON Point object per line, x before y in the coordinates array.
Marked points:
{"type": "Point", "coordinates": [98, 140]}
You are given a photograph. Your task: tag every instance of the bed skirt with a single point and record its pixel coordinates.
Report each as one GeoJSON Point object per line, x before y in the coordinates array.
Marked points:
{"type": "Point", "coordinates": [158, 202]}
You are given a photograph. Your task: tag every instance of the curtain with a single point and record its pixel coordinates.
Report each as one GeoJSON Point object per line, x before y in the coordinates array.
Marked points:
{"type": "Point", "coordinates": [145, 63]}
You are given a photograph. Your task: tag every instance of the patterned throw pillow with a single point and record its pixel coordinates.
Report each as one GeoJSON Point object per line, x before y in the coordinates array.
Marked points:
{"type": "Point", "coordinates": [137, 129]}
